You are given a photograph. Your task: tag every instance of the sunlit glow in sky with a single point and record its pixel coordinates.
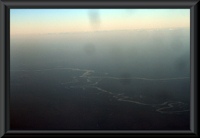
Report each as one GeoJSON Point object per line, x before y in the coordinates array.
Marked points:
{"type": "Point", "coordinates": [42, 21]}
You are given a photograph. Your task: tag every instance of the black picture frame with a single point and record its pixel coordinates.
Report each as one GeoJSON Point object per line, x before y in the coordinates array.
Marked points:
{"type": "Point", "coordinates": [6, 5]}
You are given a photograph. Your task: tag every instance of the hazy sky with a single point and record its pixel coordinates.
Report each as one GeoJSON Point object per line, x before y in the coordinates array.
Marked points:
{"type": "Point", "coordinates": [40, 21]}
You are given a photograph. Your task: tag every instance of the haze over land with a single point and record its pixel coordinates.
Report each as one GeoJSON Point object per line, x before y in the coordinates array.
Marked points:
{"type": "Point", "coordinates": [148, 53]}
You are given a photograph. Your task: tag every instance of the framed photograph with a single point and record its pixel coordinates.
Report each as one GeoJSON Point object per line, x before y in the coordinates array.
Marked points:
{"type": "Point", "coordinates": [98, 68]}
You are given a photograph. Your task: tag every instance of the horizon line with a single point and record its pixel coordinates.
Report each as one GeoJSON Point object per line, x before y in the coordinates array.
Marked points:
{"type": "Point", "coordinates": [150, 29]}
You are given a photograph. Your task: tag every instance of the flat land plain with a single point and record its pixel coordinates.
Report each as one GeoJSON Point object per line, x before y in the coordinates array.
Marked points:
{"type": "Point", "coordinates": [113, 80]}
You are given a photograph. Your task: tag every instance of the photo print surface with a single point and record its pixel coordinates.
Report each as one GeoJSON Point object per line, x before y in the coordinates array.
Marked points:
{"type": "Point", "coordinates": [99, 69]}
